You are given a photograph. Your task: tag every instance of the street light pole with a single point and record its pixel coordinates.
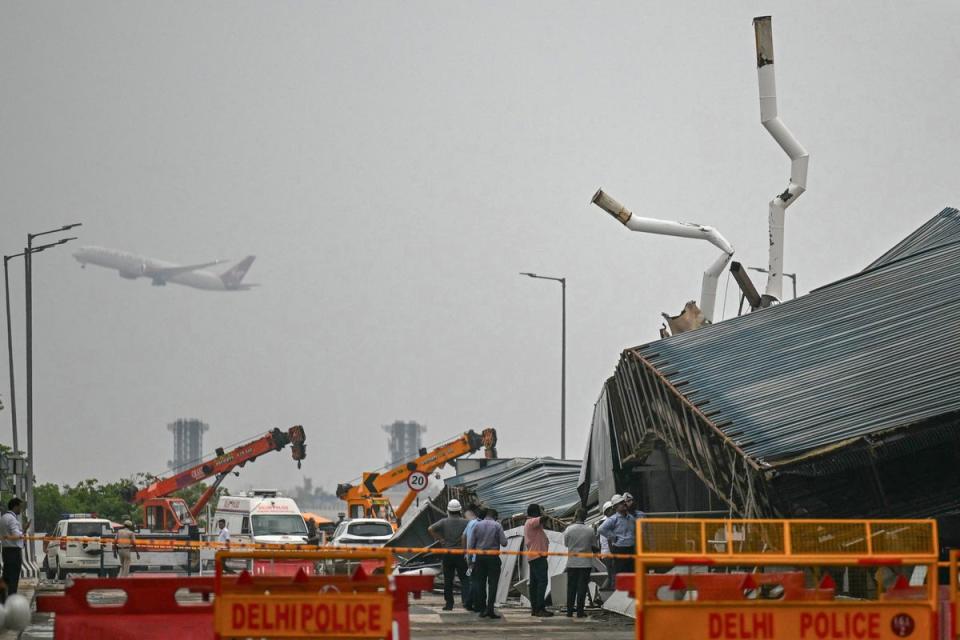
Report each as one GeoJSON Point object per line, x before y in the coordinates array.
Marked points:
{"type": "Point", "coordinates": [792, 276]}
{"type": "Point", "coordinates": [13, 387]}
{"type": "Point", "coordinates": [28, 296]}
{"type": "Point", "coordinates": [6, 296]}
{"type": "Point", "coordinates": [563, 360]}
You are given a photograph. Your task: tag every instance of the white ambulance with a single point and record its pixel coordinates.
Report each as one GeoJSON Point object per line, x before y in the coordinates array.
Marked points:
{"type": "Point", "coordinates": [261, 516]}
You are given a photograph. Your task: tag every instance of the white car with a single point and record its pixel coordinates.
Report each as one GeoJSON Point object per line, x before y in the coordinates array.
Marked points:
{"type": "Point", "coordinates": [78, 556]}
{"type": "Point", "coordinates": [369, 532]}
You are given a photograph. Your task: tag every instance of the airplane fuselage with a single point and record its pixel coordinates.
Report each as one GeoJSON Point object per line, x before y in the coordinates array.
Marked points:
{"type": "Point", "coordinates": [132, 266]}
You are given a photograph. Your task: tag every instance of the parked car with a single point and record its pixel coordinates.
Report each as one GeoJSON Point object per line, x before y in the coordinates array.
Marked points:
{"type": "Point", "coordinates": [79, 555]}
{"type": "Point", "coordinates": [370, 532]}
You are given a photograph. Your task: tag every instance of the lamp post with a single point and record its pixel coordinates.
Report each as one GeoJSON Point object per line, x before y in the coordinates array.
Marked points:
{"type": "Point", "coordinates": [13, 387]}
{"type": "Point", "coordinates": [792, 276]}
{"type": "Point", "coordinates": [563, 360]}
{"type": "Point", "coordinates": [6, 296]}
{"type": "Point", "coordinates": [28, 280]}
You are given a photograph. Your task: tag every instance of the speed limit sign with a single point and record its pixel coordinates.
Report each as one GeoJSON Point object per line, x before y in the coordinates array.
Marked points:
{"type": "Point", "coordinates": [417, 481]}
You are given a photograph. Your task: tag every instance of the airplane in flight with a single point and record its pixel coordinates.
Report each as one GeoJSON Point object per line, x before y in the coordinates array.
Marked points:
{"type": "Point", "coordinates": [131, 266]}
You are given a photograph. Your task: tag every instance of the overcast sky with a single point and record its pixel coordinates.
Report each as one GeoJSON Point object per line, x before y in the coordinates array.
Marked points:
{"type": "Point", "coordinates": [393, 166]}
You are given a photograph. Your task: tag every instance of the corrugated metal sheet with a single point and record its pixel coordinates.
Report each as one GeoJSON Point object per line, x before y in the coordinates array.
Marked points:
{"type": "Point", "coordinates": [494, 468]}
{"type": "Point", "coordinates": [509, 487]}
{"type": "Point", "coordinates": [942, 229]}
{"type": "Point", "coordinates": [869, 353]}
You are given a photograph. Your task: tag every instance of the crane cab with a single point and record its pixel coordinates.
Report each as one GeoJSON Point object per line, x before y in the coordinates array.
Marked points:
{"type": "Point", "coordinates": [375, 507]}
{"type": "Point", "coordinates": [167, 514]}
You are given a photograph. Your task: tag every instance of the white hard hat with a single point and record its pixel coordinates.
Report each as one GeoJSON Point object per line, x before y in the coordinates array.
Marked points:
{"type": "Point", "coordinates": [627, 496]}
{"type": "Point", "coordinates": [607, 505]}
{"type": "Point", "coordinates": [616, 499]}
{"type": "Point", "coordinates": [453, 505]}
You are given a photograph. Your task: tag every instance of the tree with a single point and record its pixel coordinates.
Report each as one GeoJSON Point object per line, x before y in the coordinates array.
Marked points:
{"type": "Point", "coordinates": [110, 501]}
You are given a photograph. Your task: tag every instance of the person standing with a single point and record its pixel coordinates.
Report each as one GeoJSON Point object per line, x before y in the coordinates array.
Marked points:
{"type": "Point", "coordinates": [488, 536]}
{"type": "Point", "coordinates": [11, 547]}
{"type": "Point", "coordinates": [578, 538]}
{"type": "Point", "coordinates": [449, 532]}
{"type": "Point", "coordinates": [470, 513]}
{"type": "Point", "coordinates": [223, 535]}
{"type": "Point", "coordinates": [620, 530]}
{"type": "Point", "coordinates": [605, 545]}
{"type": "Point", "coordinates": [125, 544]}
{"type": "Point", "coordinates": [536, 543]}
{"type": "Point", "coordinates": [632, 506]}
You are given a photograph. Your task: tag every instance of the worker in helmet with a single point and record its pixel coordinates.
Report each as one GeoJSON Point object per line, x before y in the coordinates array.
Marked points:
{"type": "Point", "coordinates": [448, 532]}
{"type": "Point", "coordinates": [632, 506]}
{"type": "Point", "coordinates": [605, 544]}
{"type": "Point", "coordinates": [620, 531]}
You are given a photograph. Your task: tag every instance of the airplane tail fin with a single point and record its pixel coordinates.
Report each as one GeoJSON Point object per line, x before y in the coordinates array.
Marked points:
{"type": "Point", "coordinates": [234, 275]}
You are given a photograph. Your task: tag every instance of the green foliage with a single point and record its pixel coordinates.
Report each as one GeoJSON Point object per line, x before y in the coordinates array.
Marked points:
{"type": "Point", "coordinates": [89, 496]}
{"type": "Point", "coordinates": [111, 500]}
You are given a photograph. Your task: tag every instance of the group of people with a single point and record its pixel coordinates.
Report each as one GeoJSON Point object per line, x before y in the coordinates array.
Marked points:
{"type": "Point", "coordinates": [473, 528]}
{"type": "Point", "coordinates": [477, 529]}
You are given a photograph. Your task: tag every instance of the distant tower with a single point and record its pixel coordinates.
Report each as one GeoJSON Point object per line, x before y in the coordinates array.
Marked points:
{"type": "Point", "coordinates": [404, 441]}
{"type": "Point", "coordinates": [187, 442]}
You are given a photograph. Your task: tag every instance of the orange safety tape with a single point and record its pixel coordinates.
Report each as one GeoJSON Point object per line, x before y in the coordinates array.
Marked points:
{"type": "Point", "coordinates": [192, 545]}
{"type": "Point", "coordinates": [195, 545]}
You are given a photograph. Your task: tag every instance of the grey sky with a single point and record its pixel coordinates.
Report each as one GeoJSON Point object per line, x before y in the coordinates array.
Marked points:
{"type": "Point", "coordinates": [393, 166]}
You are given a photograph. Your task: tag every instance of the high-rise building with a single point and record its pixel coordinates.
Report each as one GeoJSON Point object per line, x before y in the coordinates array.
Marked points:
{"type": "Point", "coordinates": [404, 442]}
{"type": "Point", "coordinates": [187, 442]}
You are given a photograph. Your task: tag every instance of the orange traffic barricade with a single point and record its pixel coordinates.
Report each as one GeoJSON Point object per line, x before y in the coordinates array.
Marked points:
{"type": "Point", "coordinates": [261, 594]}
{"type": "Point", "coordinates": [785, 579]}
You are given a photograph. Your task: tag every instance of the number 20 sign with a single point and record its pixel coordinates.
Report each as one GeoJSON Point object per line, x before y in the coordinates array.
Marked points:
{"type": "Point", "coordinates": [417, 481]}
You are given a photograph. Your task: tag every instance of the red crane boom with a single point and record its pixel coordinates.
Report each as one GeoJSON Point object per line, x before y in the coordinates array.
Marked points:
{"type": "Point", "coordinates": [160, 508]}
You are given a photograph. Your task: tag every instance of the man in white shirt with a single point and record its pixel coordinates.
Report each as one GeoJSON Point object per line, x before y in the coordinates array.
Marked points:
{"type": "Point", "coordinates": [605, 546]}
{"type": "Point", "coordinates": [224, 536]}
{"type": "Point", "coordinates": [580, 539]}
{"type": "Point", "coordinates": [11, 545]}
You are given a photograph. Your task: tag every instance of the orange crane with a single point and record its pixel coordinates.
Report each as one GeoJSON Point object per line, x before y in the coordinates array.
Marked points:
{"type": "Point", "coordinates": [164, 513]}
{"type": "Point", "coordinates": [366, 500]}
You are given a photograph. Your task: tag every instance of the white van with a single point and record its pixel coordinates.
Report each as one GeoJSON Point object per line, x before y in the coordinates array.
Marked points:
{"type": "Point", "coordinates": [261, 516]}
{"type": "Point", "coordinates": [78, 549]}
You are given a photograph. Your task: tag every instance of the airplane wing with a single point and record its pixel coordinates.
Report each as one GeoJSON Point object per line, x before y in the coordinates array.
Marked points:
{"type": "Point", "coordinates": [173, 271]}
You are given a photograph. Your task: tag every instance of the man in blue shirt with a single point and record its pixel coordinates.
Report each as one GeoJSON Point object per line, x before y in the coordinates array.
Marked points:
{"type": "Point", "coordinates": [487, 535]}
{"type": "Point", "coordinates": [620, 529]}
{"type": "Point", "coordinates": [470, 513]}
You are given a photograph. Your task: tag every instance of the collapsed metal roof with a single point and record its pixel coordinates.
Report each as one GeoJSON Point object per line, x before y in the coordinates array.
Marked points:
{"type": "Point", "coordinates": [763, 394]}
{"type": "Point", "coordinates": [509, 486]}
{"type": "Point", "coordinates": [870, 353]}
{"type": "Point", "coordinates": [942, 229]}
